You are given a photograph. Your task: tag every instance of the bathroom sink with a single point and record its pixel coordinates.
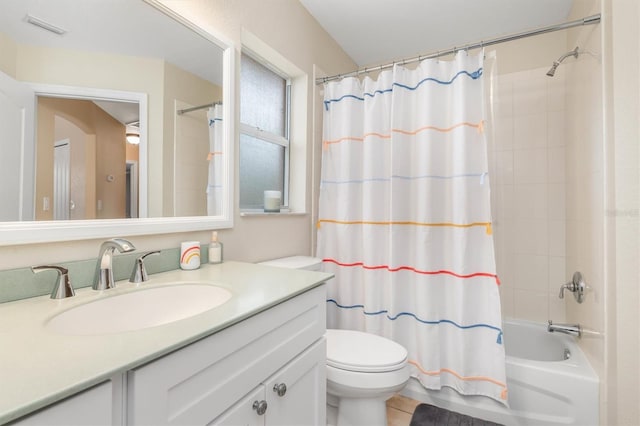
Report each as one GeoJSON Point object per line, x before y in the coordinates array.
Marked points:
{"type": "Point", "coordinates": [138, 309]}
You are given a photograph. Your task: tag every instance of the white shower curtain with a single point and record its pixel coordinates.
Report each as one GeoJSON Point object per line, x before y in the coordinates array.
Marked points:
{"type": "Point", "coordinates": [405, 220]}
{"type": "Point", "coordinates": [214, 182]}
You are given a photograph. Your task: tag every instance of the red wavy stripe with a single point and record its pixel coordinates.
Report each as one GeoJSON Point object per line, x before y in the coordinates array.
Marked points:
{"type": "Point", "coordinates": [417, 271]}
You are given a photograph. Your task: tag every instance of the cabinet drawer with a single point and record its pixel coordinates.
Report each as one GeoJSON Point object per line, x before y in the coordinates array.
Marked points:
{"type": "Point", "coordinates": [194, 385]}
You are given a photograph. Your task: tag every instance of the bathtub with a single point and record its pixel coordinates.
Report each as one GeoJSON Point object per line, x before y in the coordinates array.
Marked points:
{"type": "Point", "coordinates": [550, 382]}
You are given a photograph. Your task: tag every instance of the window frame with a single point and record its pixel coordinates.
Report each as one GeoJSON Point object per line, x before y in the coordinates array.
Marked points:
{"type": "Point", "coordinates": [269, 137]}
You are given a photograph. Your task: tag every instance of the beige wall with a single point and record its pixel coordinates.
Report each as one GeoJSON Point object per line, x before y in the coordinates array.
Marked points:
{"type": "Point", "coordinates": [304, 43]}
{"type": "Point", "coordinates": [8, 57]}
{"type": "Point", "coordinates": [622, 214]}
{"type": "Point", "coordinates": [109, 149]}
{"type": "Point", "coordinates": [180, 153]}
{"type": "Point", "coordinates": [104, 71]}
{"type": "Point", "coordinates": [586, 246]}
{"type": "Point", "coordinates": [527, 170]}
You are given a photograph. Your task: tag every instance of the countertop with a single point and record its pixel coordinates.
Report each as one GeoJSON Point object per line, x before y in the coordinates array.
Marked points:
{"type": "Point", "coordinates": [38, 367]}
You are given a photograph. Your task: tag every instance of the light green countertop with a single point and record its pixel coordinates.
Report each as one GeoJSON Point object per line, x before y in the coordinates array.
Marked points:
{"type": "Point", "coordinates": [38, 367]}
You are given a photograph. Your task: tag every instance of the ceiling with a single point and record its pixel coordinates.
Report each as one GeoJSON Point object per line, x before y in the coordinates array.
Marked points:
{"type": "Point", "coordinates": [122, 27]}
{"type": "Point", "coordinates": [374, 32]}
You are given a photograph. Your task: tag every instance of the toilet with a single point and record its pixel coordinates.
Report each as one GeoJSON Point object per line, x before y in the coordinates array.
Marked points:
{"type": "Point", "coordinates": [363, 369]}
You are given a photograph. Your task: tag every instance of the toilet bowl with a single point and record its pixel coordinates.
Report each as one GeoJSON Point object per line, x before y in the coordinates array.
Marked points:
{"type": "Point", "coordinates": [363, 369]}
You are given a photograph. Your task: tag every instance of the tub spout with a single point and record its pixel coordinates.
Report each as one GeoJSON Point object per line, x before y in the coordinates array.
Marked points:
{"type": "Point", "coordinates": [572, 329]}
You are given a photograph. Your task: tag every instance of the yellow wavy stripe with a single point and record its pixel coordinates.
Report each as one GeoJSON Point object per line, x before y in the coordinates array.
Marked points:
{"type": "Point", "coordinates": [503, 394]}
{"type": "Point", "coordinates": [487, 225]}
{"type": "Point", "coordinates": [479, 126]}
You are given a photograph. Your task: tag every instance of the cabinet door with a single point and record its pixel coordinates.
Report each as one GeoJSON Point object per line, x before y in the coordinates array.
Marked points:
{"type": "Point", "coordinates": [91, 407]}
{"type": "Point", "coordinates": [199, 382]}
{"type": "Point", "coordinates": [243, 412]}
{"type": "Point", "coordinates": [304, 402]}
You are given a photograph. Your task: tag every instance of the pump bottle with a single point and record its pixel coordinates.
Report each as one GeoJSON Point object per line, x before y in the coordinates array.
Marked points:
{"type": "Point", "coordinates": [215, 249]}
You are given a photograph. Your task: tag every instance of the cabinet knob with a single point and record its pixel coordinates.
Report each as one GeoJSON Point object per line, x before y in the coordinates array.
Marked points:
{"type": "Point", "coordinates": [260, 407]}
{"type": "Point", "coordinates": [280, 389]}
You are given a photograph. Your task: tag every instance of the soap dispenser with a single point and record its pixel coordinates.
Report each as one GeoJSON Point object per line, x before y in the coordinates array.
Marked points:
{"type": "Point", "coordinates": [215, 249]}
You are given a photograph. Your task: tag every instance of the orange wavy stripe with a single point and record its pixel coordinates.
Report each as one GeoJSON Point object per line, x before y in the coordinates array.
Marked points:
{"type": "Point", "coordinates": [487, 225]}
{"type": "Point", "coordinates": [503, 394]}
{"type": "Point", "coordinates": [479, 126]}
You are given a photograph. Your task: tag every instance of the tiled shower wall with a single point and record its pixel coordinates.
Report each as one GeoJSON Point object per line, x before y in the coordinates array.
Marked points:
{"type": "Point", "coordinates": [527, 166]}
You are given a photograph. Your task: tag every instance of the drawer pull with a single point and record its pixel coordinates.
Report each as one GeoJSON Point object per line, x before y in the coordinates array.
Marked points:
{"type": "Point", "coordinates": [280, 389]}
{"type": "Point", "coordinates": [260, 407]}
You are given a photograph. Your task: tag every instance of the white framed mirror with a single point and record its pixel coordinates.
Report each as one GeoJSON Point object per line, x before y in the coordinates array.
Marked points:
{"type": "Point", "coordinates": [120, 59]}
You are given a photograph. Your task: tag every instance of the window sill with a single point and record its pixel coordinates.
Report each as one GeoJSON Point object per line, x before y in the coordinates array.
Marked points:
{"type": "Point", "coordinates": [283, 212]}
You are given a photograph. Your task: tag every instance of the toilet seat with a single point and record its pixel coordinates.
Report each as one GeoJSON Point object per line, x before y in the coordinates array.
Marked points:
{"type": "Point", "coordinates": [363, 352]}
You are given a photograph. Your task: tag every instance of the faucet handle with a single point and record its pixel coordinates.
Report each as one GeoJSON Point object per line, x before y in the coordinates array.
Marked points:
{"type": "Point", "coordinates": [63, 287]}
{"type": "Point", "coordinates": [139, 273]}
{"type": "Point", "coordinates": [577, 286]}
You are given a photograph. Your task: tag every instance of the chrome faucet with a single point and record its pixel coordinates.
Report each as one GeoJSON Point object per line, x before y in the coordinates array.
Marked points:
{"type": "Point", "coordinates": [63, 287]}
{"type": "Point", "coordinates": [139, 273]}
{"type": "Point", "coordinates": [103, 278]}
{"type": "Point", "coordinates": [572, 329]}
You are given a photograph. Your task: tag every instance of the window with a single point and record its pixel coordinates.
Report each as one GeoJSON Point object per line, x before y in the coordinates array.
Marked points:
{"type": "Point", "coordinates": [264, 133]}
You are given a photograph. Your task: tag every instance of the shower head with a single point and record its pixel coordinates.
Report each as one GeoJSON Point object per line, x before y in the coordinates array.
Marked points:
{"type": "Point", "coordinates": [552, 71]}
{"type": "Point", "coordinates": [555, 65]}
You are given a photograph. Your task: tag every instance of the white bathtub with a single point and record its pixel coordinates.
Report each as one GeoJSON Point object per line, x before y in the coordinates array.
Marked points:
{"type": "Point", "coordinates": [544, 387]}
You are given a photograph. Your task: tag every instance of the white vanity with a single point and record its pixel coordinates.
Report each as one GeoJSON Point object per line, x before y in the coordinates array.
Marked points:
{"type": "Point", "coordinates": [257, 359]}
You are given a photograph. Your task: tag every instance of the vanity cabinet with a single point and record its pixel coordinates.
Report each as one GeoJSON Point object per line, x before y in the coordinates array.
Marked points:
{"type": "Point", "coordinates": [219, 378]}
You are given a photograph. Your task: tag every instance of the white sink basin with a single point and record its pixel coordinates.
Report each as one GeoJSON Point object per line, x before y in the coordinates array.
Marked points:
{"type": "Point", "coordinates": [139, 309]}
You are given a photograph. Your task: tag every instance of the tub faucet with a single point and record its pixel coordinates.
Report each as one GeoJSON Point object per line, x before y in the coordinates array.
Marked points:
{"type": "Point", "coordinates": [572, 329]}
{"type": "Point", "coordinates": [103, 278]}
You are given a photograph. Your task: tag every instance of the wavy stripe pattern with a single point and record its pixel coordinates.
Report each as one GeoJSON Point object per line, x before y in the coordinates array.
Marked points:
{"type": "Point", "coordinates": [474, 75]}
{"type": "Point", "coordinates": [415, 270]}
{"type": "Point", "coordinates": [478, 126]}
{"type": "Point", "coordinates": [385, 312]}
{"type": "Point", "coordinates": [503, 393]}
{"type": "Point", "coordinates": [391, 151]}
{"type": "Point", "coordinates": [486, 225]}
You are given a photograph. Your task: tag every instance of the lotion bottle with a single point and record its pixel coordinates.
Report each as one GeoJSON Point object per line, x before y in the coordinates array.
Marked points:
{"type": "Point", "coordinates": [215, 249]}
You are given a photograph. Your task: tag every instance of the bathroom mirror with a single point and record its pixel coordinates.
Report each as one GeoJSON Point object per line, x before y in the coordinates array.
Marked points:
{"type": "Point", "coordinates": [152, 76]}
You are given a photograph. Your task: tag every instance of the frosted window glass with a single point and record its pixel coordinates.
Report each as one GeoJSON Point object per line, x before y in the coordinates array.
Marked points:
{"type": "Point", "coordinates": [262, 168]}
{"type": "Point", "coordinates": [263, 95]}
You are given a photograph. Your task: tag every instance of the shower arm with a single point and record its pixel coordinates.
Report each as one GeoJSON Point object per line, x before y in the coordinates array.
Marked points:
{"type": "Point", "coordinates": [557, 62]}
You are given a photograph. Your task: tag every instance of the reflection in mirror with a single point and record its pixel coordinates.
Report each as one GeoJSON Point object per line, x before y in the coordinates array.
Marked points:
{"type": "Point", "coordinates": [87, 165]}
{"type": "Point", "coordinates": [78, 164]}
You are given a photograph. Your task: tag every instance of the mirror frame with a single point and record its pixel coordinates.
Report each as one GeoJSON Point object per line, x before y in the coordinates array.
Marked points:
{"type": "Point", "coordinates": [29, 232]}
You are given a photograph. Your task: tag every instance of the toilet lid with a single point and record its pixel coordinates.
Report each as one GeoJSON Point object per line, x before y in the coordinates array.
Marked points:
{"type": "Point", "coordinates": [364, 352]}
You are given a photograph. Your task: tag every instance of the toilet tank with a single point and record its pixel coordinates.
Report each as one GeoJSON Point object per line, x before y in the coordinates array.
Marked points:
{"type": "Point", "coordinates": [296, 262]}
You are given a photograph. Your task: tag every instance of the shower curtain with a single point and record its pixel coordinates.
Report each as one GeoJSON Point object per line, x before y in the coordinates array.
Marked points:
{"type": "Point", "coordinates": [214, 181]}
{"type": "Point", "coordinates": [405, 221]}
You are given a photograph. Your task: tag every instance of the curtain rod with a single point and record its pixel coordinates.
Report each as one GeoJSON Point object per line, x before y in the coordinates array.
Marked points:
{"type": "Point", "coordinates": [589, 20]}
{"type": "Point", "coordinates": [182, 111]}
